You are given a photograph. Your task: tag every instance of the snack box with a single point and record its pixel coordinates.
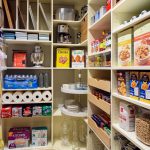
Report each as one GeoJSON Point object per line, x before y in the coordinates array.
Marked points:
{"type": "Point", "coordinates": [123, 82]}
{"type": "Point", "coordinates": [145, 87]}
{"type": "Point", "coordinates": [134, 85]}
{"type": "Point", "coordinates": [63, 57]}
{"type": "Point", "coordinates": [78, 59]}
{"type": "Point", "coordinates": [18, 137]}
{"type": "Point", "coordinates": [142, 44]}
{"type": "Point", "coordinates": [125, 48]}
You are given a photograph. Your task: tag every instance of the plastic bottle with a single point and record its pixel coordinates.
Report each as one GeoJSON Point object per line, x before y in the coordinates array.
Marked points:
{"type": "Point", "coordinates": [41, 80]}
{"type": "Point", "coordinates": [46, 81]}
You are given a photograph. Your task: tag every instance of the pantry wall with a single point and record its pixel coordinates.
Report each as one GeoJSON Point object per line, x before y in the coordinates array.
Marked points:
{"type": "Point", "coordinates": [99, 72]}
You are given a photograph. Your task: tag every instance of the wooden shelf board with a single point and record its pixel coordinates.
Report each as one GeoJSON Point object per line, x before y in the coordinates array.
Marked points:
{"type": "Point", "coordinates": [103, 105]}
{"type": "Point", "coordinates": [100, 84]}
{"type": "Point", "coordinates": [99, 53]}
{"type": "Point", "coordinates": [131, 24]}
{"type": "Point", "coordinates": [25, 30]}
{"type": "Point", "coordinates": [36, 89]}
{"type": "Point", "coordinates": [48, 147]}
{"type": "Point", "coordinates": [104, 23]}
{"type": "Point", "coordinates": [69, 68]}
{"type": "Point", "coordinates": [100, 68]}
{"type": "Point", "coordinates": [33, 117]}
{"type": "Point", "coordinates": [8, 41]}
{"type": "Point", "coordinates": [131, 136]}
{"type": "Point", "coordinates": [100, 133]}
{"type": "Point", "coordinates": [133, 101]}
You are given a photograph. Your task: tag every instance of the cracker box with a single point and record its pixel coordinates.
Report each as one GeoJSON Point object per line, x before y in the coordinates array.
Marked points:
{"type": "Point", "coordinates": [123, 82]}
{"type": "Point", "coordinates": [142, 44]}
{"type": "Point", "coordinates": [145, 87]}
{"type": "Point", "coordinates": [134, 85]}
{"type": "Point", "coordinates": [125, 48]}
{"type": "Point", "coordinates": [63, 57]}
{"type": "Point", "coordinates": [78, 59]}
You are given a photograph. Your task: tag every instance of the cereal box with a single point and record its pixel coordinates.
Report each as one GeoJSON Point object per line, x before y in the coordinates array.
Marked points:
{"type": "Point", "coordinates": [134, 85]}
{"type": "Point", "coordinates": [78, 59]}
{"type": "Point", "coordinates": [145, 87]}
{"type": "Point", "coordinates": [123, 83]}
{"type": "Point", "coordinates": [63, 57]}
{"type": "Point", "coordinates": [125, 48]}
{"type": "Point", "coordinates": [142, 44]}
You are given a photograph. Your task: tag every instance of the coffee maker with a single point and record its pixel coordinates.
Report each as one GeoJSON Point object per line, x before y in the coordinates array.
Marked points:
{"type": "Point", "coordinates": [63, 35]}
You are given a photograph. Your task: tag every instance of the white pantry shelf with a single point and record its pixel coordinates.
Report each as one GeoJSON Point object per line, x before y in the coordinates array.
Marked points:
{"type": "Point", "coordinates": [104, 23]}
{"type": "Point", "coordinates": [133, 101]}
{"type": "Point", "coordinates": [84, 43]}
{"type": "Point", "coordinates": [99, 68]}
{"type": "Point", "coordinates": [28, 68]}
{"type": "Point", "coordinates": [25, 30]}
{"type": "Point", "coordinates": [62, 68]}
{"type": "Point", "coordinates": [48, 147]}
{"type": "Point", "coordinates": [99, 53]}
{"type": "Point", "coordinates": [36, 89]}
{"type": "Point", "coordinates": [131, 136]}
{"type": "Point", "coordinates": [73, 114]}
{"type": "Point", "coordinates": [16, 41]}
{"type": "Point", "coordinates": [131, 68]}
{"type": "Point", "coordinates": [32, 102]}
{"type": "Point", "coordinates": [58, 146]}
{"type": "Point", "coordinates": [72, 91]}
{"type": "Point", "coordinates": [132, 23]}
{"type": "Point", "coordinates": [131, 6]}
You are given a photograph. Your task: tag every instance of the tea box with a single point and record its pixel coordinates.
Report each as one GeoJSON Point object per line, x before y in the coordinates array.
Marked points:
{"type": "Point", "coordinates": [145, 87]}
{"type": "Point", "coordinates": [142, 44]}
{"type": "Point", "coordinates": [78, 59]}
{"type": "Point", "coordinates": [63, 57]}
{"type": "Point", "coordinates": [134, 85]}
{"type": "Point", "coordinates": [125, 48]}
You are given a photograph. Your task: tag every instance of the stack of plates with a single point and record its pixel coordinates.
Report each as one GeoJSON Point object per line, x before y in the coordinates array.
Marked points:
{"type": "Point", "coordinates": [73, 108]}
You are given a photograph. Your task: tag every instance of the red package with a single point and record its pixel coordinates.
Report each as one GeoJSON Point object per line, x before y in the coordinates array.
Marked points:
{"type": "Point", "coordinates": [108, 6]}
{"type": "Point", "coordinates": [6, 112]}
{"type": "Point", "coordinates": [19, 59]}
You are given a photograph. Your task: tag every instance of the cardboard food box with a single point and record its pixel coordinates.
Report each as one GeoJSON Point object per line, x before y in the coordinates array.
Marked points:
{"type": "Point", "coordinates": [78, 59]}
{"type": "Point", "coordinates": [123, 82]}
{"type": "Point", "coordinates": [63, 57]}
{"type": "Point", "coordinates": [127, 117]}
{"type": "Point", "coordinates": [142, 44]}
{"type": "Point", "coordinates": [134, 85]}
{"type": "Point", "coordinates": [145, 87]}
{"type": "Point", "coordinates": [125, 48]}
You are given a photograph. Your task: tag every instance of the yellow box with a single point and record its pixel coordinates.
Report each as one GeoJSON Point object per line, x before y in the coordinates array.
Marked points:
{"type": "Point", "coordinates": [63, 57]}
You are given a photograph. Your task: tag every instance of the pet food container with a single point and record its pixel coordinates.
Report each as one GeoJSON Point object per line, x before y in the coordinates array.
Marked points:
{"type": "Point", "coordinates": [65, 14]}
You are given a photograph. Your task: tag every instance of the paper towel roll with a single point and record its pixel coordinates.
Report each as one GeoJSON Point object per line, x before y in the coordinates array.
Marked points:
{"type": "Point", "coordinates": [47, 96]}
{"type": "Point", "coordinates": [17, 97]}
{"type": "Point", "coordinates": [7, 97]}
{"type": "Point", "coordinates": [27, 96]}
{"type": "Point", "coordinates": [37, 96]}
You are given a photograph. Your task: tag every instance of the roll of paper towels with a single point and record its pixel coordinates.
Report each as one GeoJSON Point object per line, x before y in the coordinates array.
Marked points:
{"type": "Point", "coordinates": [47, 96]}
{"type": "Point", "coordinates": [7, 97]}
{"type": "Point", "coordinates": [27, 96]}
{"type": "Point", "coordinates": [37, 96]}
{"type": "Point", "coordinates": [17, 97]}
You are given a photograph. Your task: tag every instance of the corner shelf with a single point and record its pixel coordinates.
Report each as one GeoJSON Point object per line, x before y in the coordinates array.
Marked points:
{"type": "Point", "coordinates": [131, 136]}
{"type": "Point", "coordinates": [104, 22]}
{"type": "Point", "coordinates": [71, 91]}
{"type": "Point", "coordinates": [99, 53]}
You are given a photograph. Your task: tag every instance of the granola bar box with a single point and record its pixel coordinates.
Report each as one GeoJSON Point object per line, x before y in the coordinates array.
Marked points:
{"type": "Point", "coordinates": [125, 48]}
{"type": "Point", "coordinates": [145, 87]}
{"type": "Point", "coordinates": [142, 44]}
